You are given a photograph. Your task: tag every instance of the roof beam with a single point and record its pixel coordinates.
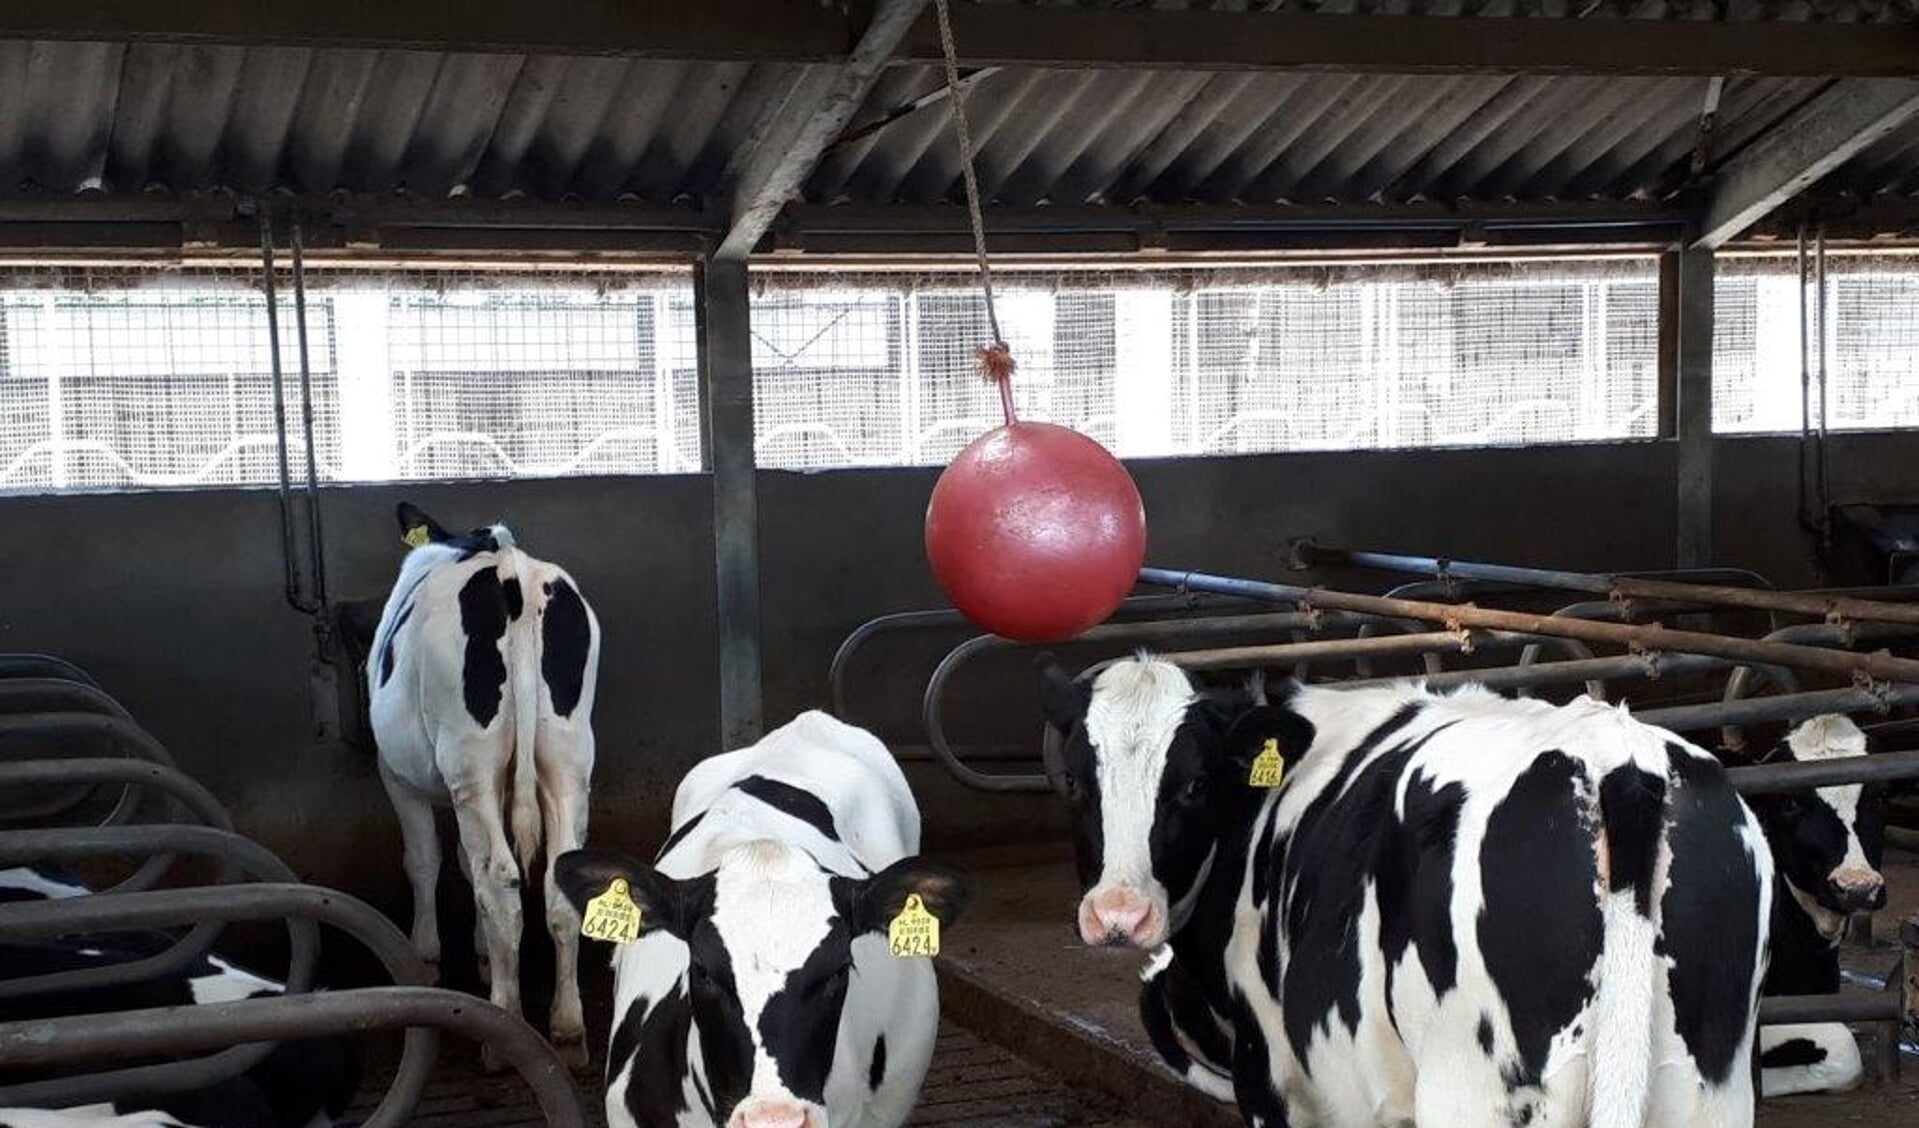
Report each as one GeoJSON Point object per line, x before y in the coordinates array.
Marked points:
{"type": "Point", "coordinates": [1812, 141]}
{"type": "Point", "coordinates": [791, 139]}
{"type": "Point", "coordinates": [1017, 35]}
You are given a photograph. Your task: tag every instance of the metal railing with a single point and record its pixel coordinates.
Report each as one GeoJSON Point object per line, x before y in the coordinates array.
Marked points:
{"type": "Point", "coordinates": [53, 701]}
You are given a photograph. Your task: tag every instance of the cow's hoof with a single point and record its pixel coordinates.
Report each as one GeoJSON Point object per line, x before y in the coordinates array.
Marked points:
{"type": "Point", "coordinates": [492, 1061]}
{"type": "Point", "coordinates": [432, 971]}
{"type": "Point", "coordinates": [572, 1050]}
{"type": "Point", "coordinates": [486, 972]}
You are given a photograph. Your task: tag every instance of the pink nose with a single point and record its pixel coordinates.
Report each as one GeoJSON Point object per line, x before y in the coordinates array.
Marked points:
{"type": "Point", "coordinates": [1119, 915]}
{"type": "Point", "coordinates": [761, 1112]}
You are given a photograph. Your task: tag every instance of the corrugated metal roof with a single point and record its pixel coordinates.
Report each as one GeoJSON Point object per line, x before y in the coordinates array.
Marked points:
{"type": "Point", "coordinates": [179, 119]}
{"type": "Point", "coordinates": [189, 118]}
{"type": "Point", "coordinates": [1072, 137]}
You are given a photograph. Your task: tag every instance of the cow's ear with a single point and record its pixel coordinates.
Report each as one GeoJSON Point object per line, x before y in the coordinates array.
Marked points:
{"type": "Point", "coordinates": [1267, 730]}
{"type": "Point", "coordinates": [585, 874]}
{"type": "Point", "coordinates": [416, 528]}
{"type": "Point", "coordinates": [870, 905]}
{"type": "Point", "coordinates": [1062, 697]}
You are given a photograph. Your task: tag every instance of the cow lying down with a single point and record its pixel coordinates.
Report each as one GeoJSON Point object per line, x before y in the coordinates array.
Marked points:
{"type": "Point", "coordinates": [1391, 906]}
{"type": "Point", "coordinates": [85, 1116]}
{"type": "Point", "coordinates": [299, 1085]}
{"type": "Point", "coordinates": [762, 991]}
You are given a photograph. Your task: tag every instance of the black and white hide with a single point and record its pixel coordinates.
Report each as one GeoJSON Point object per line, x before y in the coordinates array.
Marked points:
{"type": "Point", "coordinates": [1455, 909]}
{"type": "Point", "coordinates": [305, 1084]}
{"type": "Point", "coordinates": [481, 686]}
{"type": "Point", "coordinates": [762, 992]}
{"type": "Point", "coordinates": [1826, 848]}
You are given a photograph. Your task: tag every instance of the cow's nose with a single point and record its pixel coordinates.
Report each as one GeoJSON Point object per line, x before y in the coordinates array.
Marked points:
{"type": "Point", "coordinates": [763, 1112]}
{"type": "Point", "coordinates": [1860, 888]}
{"type": "Point", "coordinates": [1120, 916]}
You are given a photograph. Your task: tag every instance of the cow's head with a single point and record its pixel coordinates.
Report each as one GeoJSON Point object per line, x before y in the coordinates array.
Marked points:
{"type": "Point", "coordinates": [418, 530]}
{"type": "Point", "coordinates": [770, 935]}
{"type": "Point", "coordinates": [1827, 843]}
{"type": "Point", "coordinates": [1156, 772]}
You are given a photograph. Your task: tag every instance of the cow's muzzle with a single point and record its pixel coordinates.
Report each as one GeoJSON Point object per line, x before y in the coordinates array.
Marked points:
{"type": "Point", "coordinates": [1859, 888]}
{"type": "Point", "coordinates": [774, 1112]}
{"type": "Point", "coordinates": [1121, 918]}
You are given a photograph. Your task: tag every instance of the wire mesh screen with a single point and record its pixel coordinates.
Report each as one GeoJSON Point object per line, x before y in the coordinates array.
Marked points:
{"type": "Point", "coordinates": [541, 382]}
{"type": "Point", "coordinates": [878, 370]}
{"type": "Point", "coordinates": [129, 379]}
{"type": "Point", "coordinates": [150, 386]}
{"type": "Point", "coordinates": [1767, 345]}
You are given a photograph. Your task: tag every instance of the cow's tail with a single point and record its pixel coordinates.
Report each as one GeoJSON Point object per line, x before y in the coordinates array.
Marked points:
{"type": "Point", "coordinates": [523, 669]}
{"type": "Point", "coordinates": [1632, 815]}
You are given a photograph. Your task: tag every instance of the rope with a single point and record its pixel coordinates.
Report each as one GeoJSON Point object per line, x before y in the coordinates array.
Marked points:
{"type": "Point", "coordinates": [957, 96]}
{"type": "Point", "coordinates": [996, 359]}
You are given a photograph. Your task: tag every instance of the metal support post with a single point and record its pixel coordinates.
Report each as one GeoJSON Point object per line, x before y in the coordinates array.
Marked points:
{"type": "Point", "coordinates": [726, 410]}
{"type": "Point", "coordinates": [1693, 412]}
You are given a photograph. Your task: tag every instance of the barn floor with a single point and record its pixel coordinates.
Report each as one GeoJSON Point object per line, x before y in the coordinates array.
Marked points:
{"type": "Point", "coordinates": [1027, 1008]}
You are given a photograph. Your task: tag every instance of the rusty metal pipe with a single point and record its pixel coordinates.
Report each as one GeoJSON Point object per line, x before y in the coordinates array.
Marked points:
{"type": "Point", "coordinates": [932, 702]}
{"type": "Point", "coordinates": [1637, 637]}
{"type": "Point", "coordinates": [1828, 606]}
{"type": "Point", "coordinates": [1144, 605]}
{"type": "Point", "coordinates": [1796, 775]}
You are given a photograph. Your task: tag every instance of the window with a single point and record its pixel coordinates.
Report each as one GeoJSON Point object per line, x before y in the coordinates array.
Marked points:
{"type": "Point", "coordinates": [878, 370]}
{"type": "Point", "coordinates": [129, 381]}
{"type": "Point", "coordinates": [1872, 345]}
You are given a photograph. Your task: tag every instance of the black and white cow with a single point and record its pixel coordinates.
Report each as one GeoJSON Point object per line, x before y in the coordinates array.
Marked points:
{"type": "Point", "coordinates": [481, 686]}
{"type": "Point", "coordinates": [1826, 848]}
{"type": "Point", "coordinates": [1457, 909]}
{"type": "Point", "coordinates": [762, 992]}
{"type": "Point", "coordinates": [304, 1084]}
{"type": "Point", "coordinates": [86, 1116]}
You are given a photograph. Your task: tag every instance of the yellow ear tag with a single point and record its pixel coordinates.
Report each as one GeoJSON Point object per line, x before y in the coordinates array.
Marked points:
{"type": "Point", "coordinates": [416, 537]}
{"type": "Point", "coordinates": [1268, 767]}
{"type": "Point", "coordinates": [612, 915]}
{"type": "Point", "coordinates": [915, 932]}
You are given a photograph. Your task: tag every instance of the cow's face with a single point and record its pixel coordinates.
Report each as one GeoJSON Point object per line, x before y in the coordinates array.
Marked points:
{"type": "Point", "coordinates": [1828, 842]}
{"type": "Point", "coordinates": [419, 530]}
{"type": "Point", "coordinates": [1155, 771]}
{"type": "Point", "coordinates": [770, 935]}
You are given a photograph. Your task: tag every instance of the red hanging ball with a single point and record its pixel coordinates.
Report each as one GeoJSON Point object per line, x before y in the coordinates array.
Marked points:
{"type": "Point", "coordinates": [1035, 532]}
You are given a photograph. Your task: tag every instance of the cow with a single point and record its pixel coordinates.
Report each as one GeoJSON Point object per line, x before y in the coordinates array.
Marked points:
{"type": "Point", "coordinates": [481, 687]}
{"type": "Point", "coordinates": [85, 1116]}
{"type": "Point", "coordinates": [762, 991]}
{"type": "Point", "coordinates": [1826, 848]}
{"type": "Point", "coordinates": [1447, 909]}
{"type": "Point", "coordinates": [304, 1084]}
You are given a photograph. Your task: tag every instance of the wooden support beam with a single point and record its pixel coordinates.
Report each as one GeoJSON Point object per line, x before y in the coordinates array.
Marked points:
{"type": "Point", "coordinates": [1794, 155]}
{"type": "Point", "coordinates": [1017, 35]}
{"type": "Point", "coordinates": [790, 140]}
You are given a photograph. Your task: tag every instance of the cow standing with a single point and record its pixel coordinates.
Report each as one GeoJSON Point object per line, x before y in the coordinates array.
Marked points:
{"type": "Point", "coordinates": [1826, 848]}
{"type": "Point", "coordinates": [1457, 909]}
{"type": "Point", "coordinates": [762, 992]}
{"type": "Point", "coordinates": [481, 684]}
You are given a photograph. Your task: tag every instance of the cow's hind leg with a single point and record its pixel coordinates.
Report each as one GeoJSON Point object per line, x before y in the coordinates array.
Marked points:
{"type": "Point", "coordinates": [420, 842]}
{"type": "Point", "coordinates": [563, 803]}
{"type": "Point", "coordinates": [496, 893]}
{"type": "Point", "coordinates": [480, 957]}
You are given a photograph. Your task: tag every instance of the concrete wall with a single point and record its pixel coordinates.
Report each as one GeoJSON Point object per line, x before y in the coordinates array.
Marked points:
{"type": "Point", "coordinates": [174, 601]}
{"type": "Point", "coordinates": [1756, 494]}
